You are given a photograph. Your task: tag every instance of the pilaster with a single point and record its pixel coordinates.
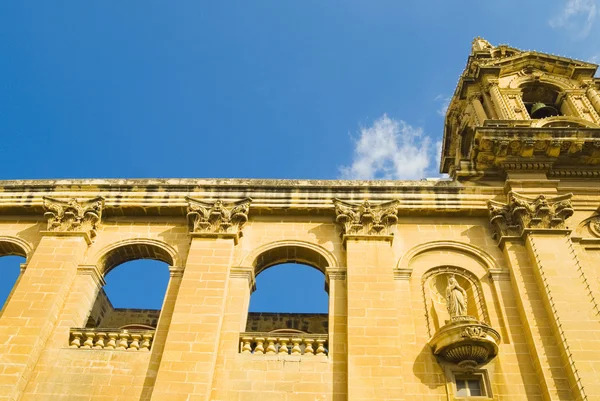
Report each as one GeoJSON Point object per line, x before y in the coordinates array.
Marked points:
{"type": "Point", "coordinates": [39, 299]}
{"type": "Point", "coordinates": [552, 288]}
{"type": "Point", "coordinates": [190, 353]}
{"type": "Point", "coordinates": [374, 338]}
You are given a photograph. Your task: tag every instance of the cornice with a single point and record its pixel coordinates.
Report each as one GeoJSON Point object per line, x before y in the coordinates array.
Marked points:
{"type": "Point", "coordinates": [169, 197]}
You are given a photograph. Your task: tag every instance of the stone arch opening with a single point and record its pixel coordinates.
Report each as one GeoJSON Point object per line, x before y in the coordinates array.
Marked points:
{"type": "Point", "coordinates": [291, 291]}
{"type": "Point", "coordinates": [135, 249]}
{"type": "Point", "coordinates": [13, 255]}
{"type": "Point", "coordinates": [136, 276]}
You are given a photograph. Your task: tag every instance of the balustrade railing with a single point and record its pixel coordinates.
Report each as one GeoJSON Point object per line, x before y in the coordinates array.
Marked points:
{"type": "Point", "coordinates": [112, 339]}
{"type": "Point", "coordinates": [283, 344]}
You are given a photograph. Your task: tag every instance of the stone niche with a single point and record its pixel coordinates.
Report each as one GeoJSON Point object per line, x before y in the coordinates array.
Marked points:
{"type": "Point", "coordinates": [457, 318]}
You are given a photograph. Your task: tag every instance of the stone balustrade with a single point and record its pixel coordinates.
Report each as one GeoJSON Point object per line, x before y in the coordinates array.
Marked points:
{"type": "Point", "coordinates": [283, 344]}
{"type": "Point", "coordinates": [111, 339]}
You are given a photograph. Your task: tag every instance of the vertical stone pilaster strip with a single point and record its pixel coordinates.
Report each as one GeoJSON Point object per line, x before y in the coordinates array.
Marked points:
{"type": "Point", "coordinates": [374, 370]}
{"type": "Point", "coordinates": [543, 348]}
{"type": "Point", "coordinates": [27, 324]}
{"type": "Point", "coordinates": [573, 310]}
{"type": "Point", "coordinates": [338, 330]}
{"type": "Point", "coordinates": [561, 288]}
{"type": "Point", "coordinates": [198, 312]}
{"type": "Point", "coordinates": [200, 307]}
{"type": "Point", "coordinates": [241, 282]}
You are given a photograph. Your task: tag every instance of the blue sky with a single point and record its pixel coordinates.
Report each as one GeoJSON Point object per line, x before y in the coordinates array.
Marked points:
{"type": "Point", "coordinates": [262, 89]}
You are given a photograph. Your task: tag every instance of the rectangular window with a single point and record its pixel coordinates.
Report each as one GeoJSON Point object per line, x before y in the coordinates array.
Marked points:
{"type": "Point", "coordinates": [470, 386]}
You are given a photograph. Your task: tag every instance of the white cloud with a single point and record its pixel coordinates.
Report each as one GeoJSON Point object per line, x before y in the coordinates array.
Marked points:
{"type": "Point", "coordinates": [444, 103]}
{"type": "Point", "coordinates": [577, 17]}
{"type": "Point", "coordinates": [389, 149]}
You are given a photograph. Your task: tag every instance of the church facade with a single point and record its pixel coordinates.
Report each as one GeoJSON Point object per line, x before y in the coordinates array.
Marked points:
{"type": "Point", "coordinates": [482, 286]}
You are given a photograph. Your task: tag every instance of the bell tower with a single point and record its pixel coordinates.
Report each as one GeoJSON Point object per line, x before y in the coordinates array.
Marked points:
{"type": "Point", "coordinates": [516, 111]}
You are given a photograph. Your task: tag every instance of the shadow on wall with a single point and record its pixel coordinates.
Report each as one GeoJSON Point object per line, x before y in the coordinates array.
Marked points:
{"type": "Point", "coordinates": [424, 365]}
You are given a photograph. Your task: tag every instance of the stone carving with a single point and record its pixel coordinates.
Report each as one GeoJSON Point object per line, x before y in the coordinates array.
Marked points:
{"type": "Point", "coordinates": [73, 215]}
{"type": "Point", "coordinates": [595, 226]}
{"type": "Point", "coordinates": [474, 332]}
{"type": "Point", "coordinates": [456, 298]}
{"type": "Point", "coordinates": [215, 218]}
{"type": "Point", "coordinates": [365, 218]}
{"type": "Point", "coordinates": [523, 212]}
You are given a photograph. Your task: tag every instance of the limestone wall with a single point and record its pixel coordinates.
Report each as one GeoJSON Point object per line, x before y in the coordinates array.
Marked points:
{"type": "Point", "coordinates": [385, 304]}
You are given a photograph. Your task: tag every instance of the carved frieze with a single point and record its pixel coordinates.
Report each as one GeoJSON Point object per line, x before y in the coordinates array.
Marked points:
{"type": "Point", "coordinates": [366, 219]}
{"type": "Point", "coordinates": [523, 212]}
{"type": "Point", "coordinates": [72, 216]}
{"type": "Point", "coordinates": [217, 219]}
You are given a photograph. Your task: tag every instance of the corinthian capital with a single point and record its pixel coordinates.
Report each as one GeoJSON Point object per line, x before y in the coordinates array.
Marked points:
{"type": "Point", "coordinates": [217, 219]}
{"type": "Point", "coordinates": [522, 213]}
{"type": "Point", "coordinates": [366, 219]}
{"type": "Point", "coordinates": [74, 216]}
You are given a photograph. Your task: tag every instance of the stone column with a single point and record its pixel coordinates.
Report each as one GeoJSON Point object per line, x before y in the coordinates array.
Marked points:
{"type": "Point", "coordinates": [594, 98]}
{"type": "Point", "coordinates": [558, 311]}
{"type": "Point", "coordinates": [374, 341]}
{"type": "Point", "coordinates": [478, 108]}
{"type": "Point", "coordinates": [498, 100]}
{"type": "Point", "coordinates": [32, 314]}
{"type": "Point", "coordinates": [189, 358]}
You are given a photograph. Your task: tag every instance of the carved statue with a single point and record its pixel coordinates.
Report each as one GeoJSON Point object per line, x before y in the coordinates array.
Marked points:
{"type": "Point", "coordinates": [456, 298]}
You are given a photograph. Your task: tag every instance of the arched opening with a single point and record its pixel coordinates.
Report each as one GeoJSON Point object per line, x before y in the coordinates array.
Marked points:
{"type": "Point", "coordinates": [289, 296]}
{"type": "Point", "coordinates": [288, 311]}
{"type": "Point", "coordinates": [542, 101]}
{"type": "Point", "coordinates": [10, 270]}
{"type": "Point", "coordinates": [136, 277]}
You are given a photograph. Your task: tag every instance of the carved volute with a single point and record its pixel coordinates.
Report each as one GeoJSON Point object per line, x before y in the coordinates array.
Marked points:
{"type": "Point", "coordinates": [366, 220]}
{"type": "Point", "coordinates": [517, 110]}
{"type": "Point", "coordinates": [522, 213]}
{"type": "Point", "coordinates": [217, 219]}
{"type": "Point", "coordinates": [74, 216]}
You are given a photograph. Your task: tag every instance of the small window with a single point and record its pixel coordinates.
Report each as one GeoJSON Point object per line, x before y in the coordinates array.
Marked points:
{"type": "Point", "coordinates": [470, 386]}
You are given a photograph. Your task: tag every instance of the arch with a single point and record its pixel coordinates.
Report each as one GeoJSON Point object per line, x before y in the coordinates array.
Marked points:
{"type": "Point", "coordinates": [290, 251]}
{"type": "Point", "coordinates": [14, 246]}
{"type": "Point", "coordinates": [557, 83]}
{"type": "Point", "coordinates": [478, 254]}
{"type": "Point", "coordinates": [135, 248]}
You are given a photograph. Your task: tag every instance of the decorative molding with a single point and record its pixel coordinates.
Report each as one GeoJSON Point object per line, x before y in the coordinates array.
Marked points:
{"type": "Point", "coordinates": [92, 271]}
{"type": "Point", "coordinates": [366, 221]}
{"type": "Point", "coordinates": [244, 272]}
{"type": "Point", "coordinates": [499, 274]}
{"type": "Point", "coordinates": [402, 274]}
{"type": "Point", "coordinates": [73, 216]}
{"type": "Point", "coordinates": [176, 271]}
{"type": "Point", "coordinates": [217, 219]}
{"type": "Point", "coordinates": [335, 273]}
{"type": "Point", "coordinates": [523, 213]}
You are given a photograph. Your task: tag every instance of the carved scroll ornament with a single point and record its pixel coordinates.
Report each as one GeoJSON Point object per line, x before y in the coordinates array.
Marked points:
{"type": "Point", "coordinates": [523, 212]}
{"type": "Point", "coordinates": [217, 218]}
{"type": "Point", "coordinates": [365, 218]}
{"type": "Point", "coordinates": [74, 215]}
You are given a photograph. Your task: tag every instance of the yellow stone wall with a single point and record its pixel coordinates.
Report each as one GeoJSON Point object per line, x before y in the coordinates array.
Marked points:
{"type": "Point", "coordinates": [538, 291]}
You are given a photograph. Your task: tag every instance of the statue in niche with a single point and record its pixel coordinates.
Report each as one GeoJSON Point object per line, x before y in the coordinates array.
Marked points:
{"type": "Point", "coordinates": [456, 298]}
